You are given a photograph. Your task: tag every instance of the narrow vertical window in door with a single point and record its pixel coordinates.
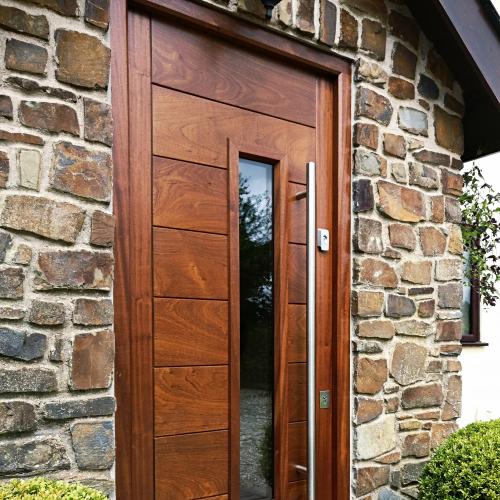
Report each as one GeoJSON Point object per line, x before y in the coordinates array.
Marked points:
{"type": "Point", "coordinates": [256, 330]}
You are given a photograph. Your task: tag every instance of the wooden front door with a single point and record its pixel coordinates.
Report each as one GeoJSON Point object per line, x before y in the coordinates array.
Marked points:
{"type": "Point", "coordinates": [219, 141]}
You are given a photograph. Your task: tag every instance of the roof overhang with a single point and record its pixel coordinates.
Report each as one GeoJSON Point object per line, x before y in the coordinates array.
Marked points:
{"type": "Point", "coordinates": [466, 33]}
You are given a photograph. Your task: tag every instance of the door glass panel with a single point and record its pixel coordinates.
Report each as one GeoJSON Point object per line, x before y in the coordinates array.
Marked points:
{"type": "Point", "coordinates": [256, 330]}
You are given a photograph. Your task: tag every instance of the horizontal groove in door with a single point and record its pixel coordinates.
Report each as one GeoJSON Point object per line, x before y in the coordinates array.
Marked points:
{"type": "Point", "coordinates": [189, 196]}
{"type": "Point", "coordinates": [192, 465]}
{"type": "Point", "coordinates": [231, 74]}
{"type": "Point", "coordinates": [194, 129]}
{"type": "Point", "coordinates": [187, 264]}
{"type": "Point", "coordinates": [190, 332]}
{"type": "Point", "coordinates": [191, 399]}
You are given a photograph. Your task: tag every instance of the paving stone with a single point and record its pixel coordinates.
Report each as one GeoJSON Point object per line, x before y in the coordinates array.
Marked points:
{"type": "Point", "coordinates": [79, 408]}
{"type": "Point", "coordinates": [25, 57]}
{"type": "Point", "coordinates": [93, 444]}
{"type": "Point", "coordinates": [372, 105]}
{"type": "Point", "coordinates": [408, 363]}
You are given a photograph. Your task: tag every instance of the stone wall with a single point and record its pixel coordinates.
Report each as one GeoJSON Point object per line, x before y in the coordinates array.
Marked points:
{"type": "Point", "coordinates": [56, 262]}
{"type": "Point", "coordinates": [407, 291]}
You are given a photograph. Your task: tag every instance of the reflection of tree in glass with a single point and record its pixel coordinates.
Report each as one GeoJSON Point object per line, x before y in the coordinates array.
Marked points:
{"type": "Point", "coordinates": [256, 297]}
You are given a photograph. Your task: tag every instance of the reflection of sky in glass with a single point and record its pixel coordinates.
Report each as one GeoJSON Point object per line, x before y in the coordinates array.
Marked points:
{"type": "Point", "coordinates": [259, 178]}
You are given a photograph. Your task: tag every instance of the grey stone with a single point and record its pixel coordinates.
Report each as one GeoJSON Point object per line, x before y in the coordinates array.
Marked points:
{"type": "Point", "coordinates": [11, 282]}
{"type": "Point", "coordinates": [398, 306]}
{"type": "Point", "coordinates": [22, 345]}
{"type": "Point", "coordinates": [94, 445]}
{"type": "Point", "coordinates": [79, 408]}
{"type": "Point", "coordinates": [5, 242]}
{"type": "Point", "coordinates": [47, 313]}
{"type": "Point", "coordinates": [427, 87]}
{"type": "Point", "coordinates": [408, 363]}
{"type": "Point", "coordinates": [414, 328]}
{"type": "Point", "coordinates": [11, 313]}
{"type": "Point", "coordinates": [375, 438]}
{"type": "Point", "coordinates": [450, 295]}
{"type": "Point", "coordinates": [367, 346]}
{"type": "Point", "coordinates": [367, 162]}
{"type": "Point", "coordinates": [414, 121]}
{"type": "Point", "coordinates": [29, 168]}
{"type": "Point", "coordinates": [34, 456]}
{"type": "Point", "coordinates": [423, 176]}
{"type": "Point", "coordinates": [388, 494]}
{"type": "Point", "coordinates": [362, 193]}
{"type": "Point", "coordinates": [27, 380]}
{"type": "Point", "coordinates": [17, 416]}
{"type": "Point", "coordinates": [411, 472]}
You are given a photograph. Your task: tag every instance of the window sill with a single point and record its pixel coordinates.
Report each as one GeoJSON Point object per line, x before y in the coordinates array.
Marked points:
{"type": "Point", "coordinates": [475, 344]}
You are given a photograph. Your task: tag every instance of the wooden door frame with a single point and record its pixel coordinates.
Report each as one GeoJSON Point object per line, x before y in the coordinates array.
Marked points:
{"type": "Point", "coordinates": [307, 55]}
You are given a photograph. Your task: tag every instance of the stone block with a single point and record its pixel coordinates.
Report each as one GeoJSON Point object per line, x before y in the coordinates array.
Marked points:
{"type": "Point", "coordinates": [11, 313]}
{"type": "Point", "coordinates": [47, 313]}
{"type": "Point", "coordinates": [23, 255]}
{"type": "Point", "coordinates": [398, 306]}
{"type": "Point", "coordinates": [362, 194]}
{"type": "Point", "coordinates": [51, 219]}
{"type": "Point", "coordinates": [411, 472]}
{"type": "Point", "coordinates": [17, 416]}
{"type": "Point", "coordinates": [404, 61]}
{"type": "Point", "coordinates": [93, 443]}
{"type": "Point", "coordinates": [79, 408]}
{"type": "Point", "coordinates": [399, 172]}
{"type": "Point", "coordinates": [402, 236]}
{"type": "Point", "coordinates": [380, 329]}
{"type": "Point", "coordinates": [367, 303]}
{"type": "Point", "coordinates": [371, 72]}
{"type": "Point", "coordinates": [22, 22]}
{"type": "Point", "coordinates": [305, 17]}
{"type": "Point", "coordinates": [25, 57]}
{"type": "Point", "coordinates": [437, 66]}
{"type": "Point", "coordinates": [6, 110]}
{"type": "Point", "coordinates": [437, 209]}
{"type": "Point", "coordinates": [373, 38]}
{"type": "Point", "coordinates": [372, 105]}
{"type": "Point", "coordinates": [81, 172]}
{"type": "Point", "coordinates": [433, 241]}
{"type": "Point", "coordinates": [402, 89]}
{"type": "Point", "coordinates": [427, 87]}
{"type": "Point", "coordinates": [422, 396]}
{"type": "Point", "coordinates": [455, 242]}
{"type": "Point", "coordinates": [35, 140]}
{"type": "Point", "coordinates": [93, 312]}
{"type": "Point", "coordinates": [426, 308]}
{"type": "Point", "coordinates": [49, 116]}
{"type": "Point", "coordinates": [102, 229]}
{"type": "Point", "coordinates": [29, 168]}
{"type": "Point", "coordinates": [366, 134]}
{"type": "Point", "coordinates": [454, 105]}
{"type": "Point", "coordinates": [370, 478]}
{"type": "Point", "coordinates": [370, 375]}
{"type": "Point", "coordinates": [432, 157]}
{"type": "Point", "coordinates": [449, 269]}
{"type": "Point", "coordinates": [395, 145]}
{"type": "Point", "coordinates": [375, 438]}
{"type": "Point", "coordinates": [375, 8]}
{"type": "Point", "coordinates": [367, 409]}
{"type": "Point", "coordinates": [97, 12]}
{"type": "Point", "coordinates": [401, 203]}
{"type": "Point", "coordinates": [414, 328]}
{"type": "Point", "coordinates": [21, 345]}
{"type": "Point", "coordinates": [17, 380]}
{"type": "Point", "coordinates": [375, 272]}
{"type": "Point", "coordinates": [450, 295]}
{"type": "Point", "coordinates": [408, 363]}
{"type": "Point", "coordinates": [404, 27]}
{"type": "Point", "coordinates": [368, 163]}
{"type": "Point", "coordinates": [452, 183]}
{"type": "Point", "coordinates": [5, 244]}
{"type": "Point", "coordinates": [368, 236]}
{"type": "Point", "coordinates": [449, 330]}
{"type": "Point", "coordinates": [423, 176]}
{"type": "Point", "coordinates": [28, 86]}
{"type": "Point", "coordinates": [63, 7]}
{"type": "Point", "coordinates": [416, 445]}
{"type": "Point", "coordinates": [11, 282]}
{"type": "Point", "coordinates": [452, 210]}
{"type": "Point", "coordinates": [417, 272]}
{"type": "Point", "coordinates": [98, 122]}
{"type": "Point", "coordinates": [449, 130]}
{"type": "Point", "coordinates": [348, 38]}
{"type": "Point", "coordinates": [328, 22]}
{"type": "Point", "coordinates": [414, 121]}
{"type": "Point", "coordinates": [4, 169]}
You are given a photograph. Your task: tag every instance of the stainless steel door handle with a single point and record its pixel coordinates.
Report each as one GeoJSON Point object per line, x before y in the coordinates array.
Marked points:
{"type": "Point", "coordinates": [311, 331]}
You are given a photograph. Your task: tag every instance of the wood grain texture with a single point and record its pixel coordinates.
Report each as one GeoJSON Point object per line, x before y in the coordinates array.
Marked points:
{"type": "Point", "coordinates": [189, 264]}
{"type": "Point", "coordinates": [197, 63]}
{"type": "Point", "coordinates": [191, 465]}
{"type": "Point", "coordinates": [297, 392]}
{"type": "Point", "coordinates": [297, 338]}
{"type": "Point", "coordinates": [190, 399]}
{"type": "Point", "coordinates": [297, 213]}
{"type": "Point", "coordinates": [297, 267]}
{"type": "Point", "coordinates": [194, 129]}
{"type": "Point", "coordinates": [189, 196]}
{"type": "Point", "coordinates": [297, 490]}
{"type": "Point", "coordinates": [190, 332]}
{"type": "Point", "coordinates": [297, 451]}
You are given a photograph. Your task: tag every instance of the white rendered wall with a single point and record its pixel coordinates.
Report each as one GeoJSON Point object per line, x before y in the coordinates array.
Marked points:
{"type": "Point", "coordinates": [481, 365]}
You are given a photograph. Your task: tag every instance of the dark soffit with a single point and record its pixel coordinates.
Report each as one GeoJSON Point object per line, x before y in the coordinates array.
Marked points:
{"type": "Point", "coordinates": [466, 33]}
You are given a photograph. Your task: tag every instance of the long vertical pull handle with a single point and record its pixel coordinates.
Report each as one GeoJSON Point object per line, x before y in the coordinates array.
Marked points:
{"type": "Point", "coordinates": [311, 331]}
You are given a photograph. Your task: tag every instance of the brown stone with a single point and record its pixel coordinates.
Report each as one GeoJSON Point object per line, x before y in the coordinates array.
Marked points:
{"type": "Point", "coordinates": [452, 210]}
{"type": "Point", "coordinates": [455, 242]}
{"type": "Point", "coordinates": [417, 272]}
{"type": "Point", "coordinates": [21, 137]}
{"type": "Point", "coordinates": [404, 27]}
{"type": "Point", "coordinates": [74, 270]}
{"type": "Point", "coordinates": [13, 313]}
{"type": "Point", "coordinates": [18, 20]}
{"type": "Point", "coordinates": [4, 169]}
{"type": "Point", "coordinates": [450, 295]}
{"type": "Point", "coordinates": [348, 30]}
{"type": "Point", "coordinates": [435, 366]}
{"type": "Point", "coordinates": [401, 203]}
{"type": "Point", "coordinates": [64, 7]}
{"type": "Point", "coordinates": [375, 8]}
{"type": "Point", "coordinates": [98, 122]}
{"type": "Point", "coordinates": [366, 134]}
{"type": "Point", "coordinates": [370, 478]}
{"type": "Point", "coordinates": [23, 255]}
{"type": "Point", "coordinates": [367, 303]}
{"type": "Point", "coordinates": [432, 157]}
{"type": "Point", "coordinates": [414, 328]}
{"type": "Point", "coordinates": [49, 116]}
{"type": "Point", "coordinates": [102, 229]}
{"type": "Point", "coordinates": [422, 396]}
{"type": "Point", "coordinates": [449, 130]}
{"type": "Point", "coordinates": [48, 218]}
{"type": "Point", "coordinates": [451, 103]}
{"type": "Point", "coordinates": [402, 236]}
{"type": "Point", "coordinates": [437, 66]}
{"type": "Point", "coordinates": [6, 110]}
{"type": "Point", "coordinates": [453, 365]}
{"type": "Point", "coordinates": [437, 209]}
{"type": "Point", "coordinates": [367, 409]}
{"type": "Point", "coordinates": [424, 104]}
{"type": "Point", "coordinates": [375, 272]}
{"type": "Point", "coordinates": [392, 404]}
{"type": "Point", "coordinates": [449, 269]}
{"type": "Point", "coordinates": [254, 7]}
{"type": "Point", "coordinates": [433, 241]}
{"type": "Point", "coordinates": [380, 329]}
{"type": "Point", "coordinates": [428, 415]}
{"type": "Point", "coordinates": [416, 445]}
{"type": "Point", "coordinates": [47, 313]}
{"type": "Point", "coordinates": [92, 361]}
{"type": "Point", "coordinates": [395, 145]}
{"type": "Point", "coordinates": [83, 60]}
{"type": "Point", "coordinates": [32, 87]}
{"type": "Point", "coordinates": [402, 89]}
{"type": "Point", "coordinates": [81, 172]}
{"type": "Point", "coordinates": [368, 236]}
{"type": "Point", "coordinates": [23, 56]}
{"type": "Point", "coordinates": [440, 431]}
{"type": "Point", "coordinates": [457, 163]}
{"type": "Point", "coordinates": [373, 39]}
{"type": "Point", "coordinates": [423, 176]}
{"type": "Point", "coordinates": [399, 306]}
{"type": "Point", "coordinates": [93, 312]}
{"type": "Point", "coordinates": [449, 330]}
{"type": "Point", "coordinates": [426, 308]}
{"type": "Point", "coordinates": [371, 72]}
{"type": "Point", "coordinates": [362, 194]}
{"type": "Point", "coordinates": [370, 375]}
{"type": "Point", "coordinates": [404, 61]}
{"type": "Point", "coordinates": [410, 425]}
{"type": "Point", "coordinates": [452, 183]}
{"type": "Point", "coordinates": [450, 349]}
{"type": "Point", "coordinates": [12, 282]}
{"type": "Point", "coordinates": [408, 363]}
{"type": "Point", "coordinates": [305, 16]}
{"type": "Point", "coordinates": [373, 105]}
{"type": "Point", "coordinates": [97, 12]}
{"type": "Point", "coordinates": [328, 22]}
{"type": "Point", "coordinates": [392, 457]}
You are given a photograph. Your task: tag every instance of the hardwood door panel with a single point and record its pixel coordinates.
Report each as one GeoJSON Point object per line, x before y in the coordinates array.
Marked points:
{"type": "Point", "coordinates": [189, 265]}
{"type": "Point", "coordinates": [296, 213]}
{"type": "Point", "coordinates": [191, 465]}
{"type": "Point", "coordinates": [191, 399]}
{"type": "Point", "coordinates": [194, 129]}
{"type": "Point", "coordinates": [297, 338]}
{"type": "Point", "coordinates": [297, 451]}
{"type": "Point", "coordinates": [297, 392]}
{"type": "Point", "coordinates": [297, 490]}
{"type": "Point", "coordinates": [230, 74]}
{"type": "Point", "coordinates": [190, 332]}
{"type": "Point", "coordinates": [189, 196]}
{"type": "Point", "coordinates": [297, 268]}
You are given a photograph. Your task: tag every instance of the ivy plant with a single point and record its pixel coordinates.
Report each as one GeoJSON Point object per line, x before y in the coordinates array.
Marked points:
{"type": "Point", "coordinates": [481, 234]}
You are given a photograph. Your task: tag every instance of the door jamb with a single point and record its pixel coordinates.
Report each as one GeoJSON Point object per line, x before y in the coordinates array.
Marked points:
{"type": "Point", "coordinates": [309, 56]}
